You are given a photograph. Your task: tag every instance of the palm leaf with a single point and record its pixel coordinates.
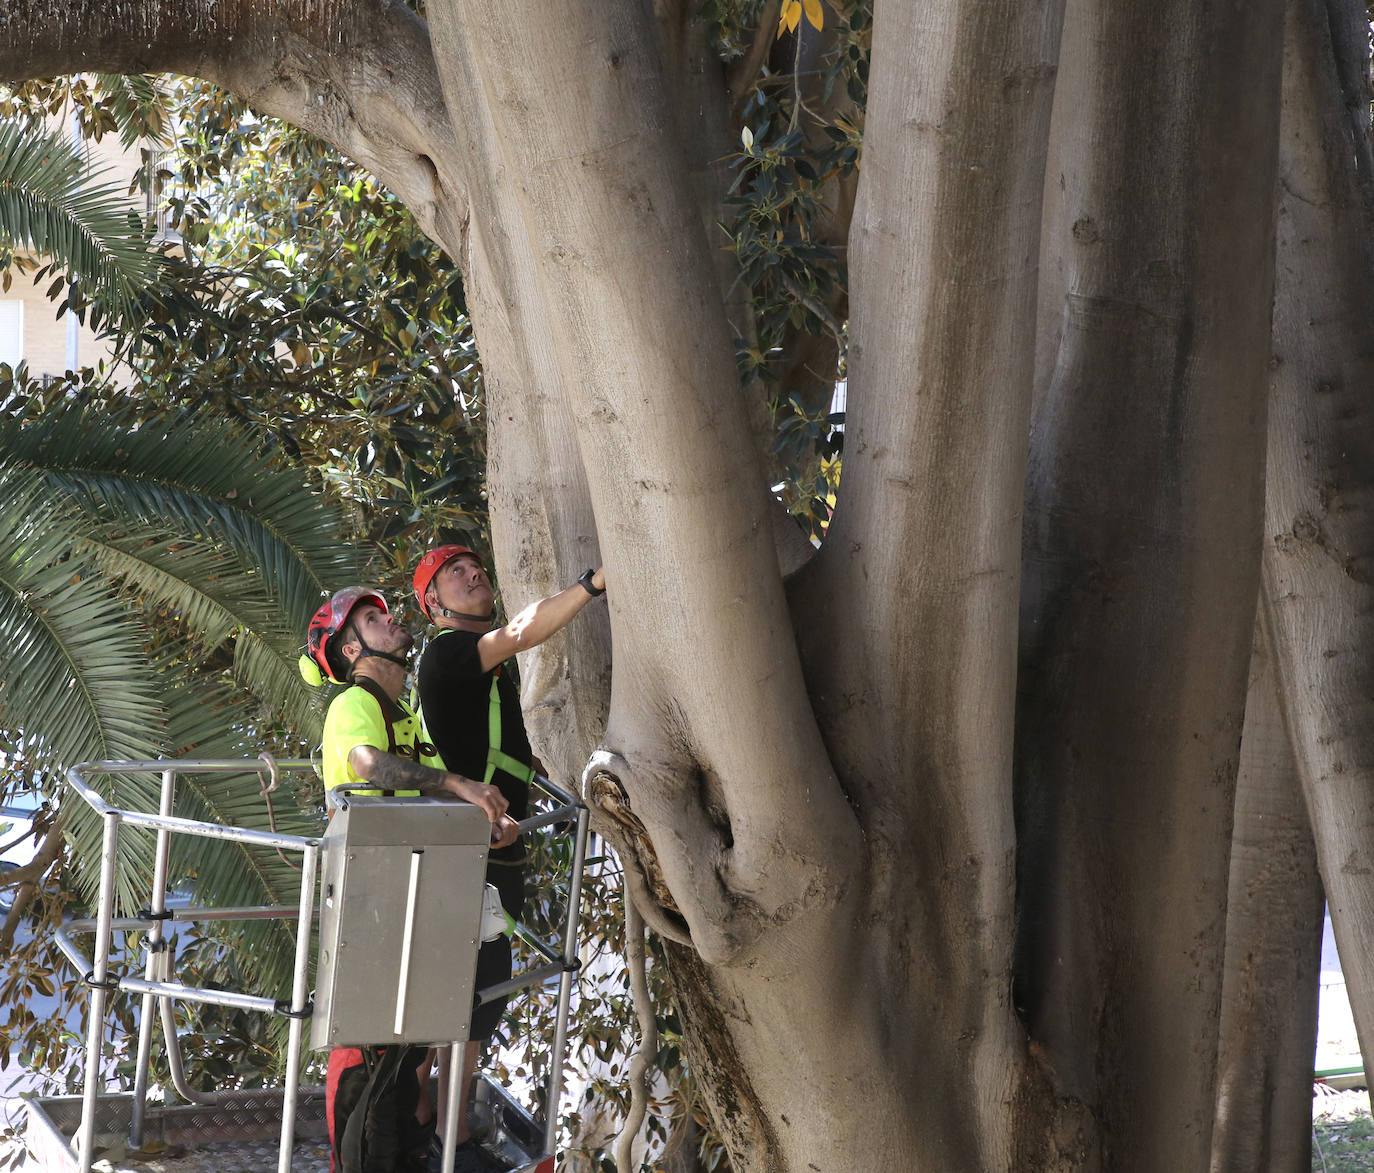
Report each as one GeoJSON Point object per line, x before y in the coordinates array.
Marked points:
{"type": "Point", "coordinates": [76, 680]}
{"type": "Point", "coordinates": [206, 482]}
{"type": "Point", "coordinates": [233, 874]}
{"type": "Point", "coordinates": [51, 205]}
{"type": "Point", "coordinates": [213, 542]}
{"type": "Point", "coordinates": [214, 598]}
{"type": "Point", "coordinates": [76, 667]}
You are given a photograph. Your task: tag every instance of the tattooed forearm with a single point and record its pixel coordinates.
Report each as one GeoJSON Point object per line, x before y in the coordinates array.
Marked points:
{"type": "Point", "coordinates": [390, 772]}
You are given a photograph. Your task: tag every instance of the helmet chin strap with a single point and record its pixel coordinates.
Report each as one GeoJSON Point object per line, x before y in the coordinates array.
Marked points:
{"type": "Point", "coordinates": [367, 652]}
{"type": "Point", "coordinates": [440, 609]}
{"type": "Point", "coordinates": [375, 654]}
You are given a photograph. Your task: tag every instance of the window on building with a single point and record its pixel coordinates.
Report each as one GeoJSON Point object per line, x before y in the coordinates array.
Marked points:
{"type": "Point", "coordinates": [11, 330]}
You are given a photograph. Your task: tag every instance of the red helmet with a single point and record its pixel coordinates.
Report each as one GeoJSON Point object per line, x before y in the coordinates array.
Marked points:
{"type": "Point", "coordinates": [328, 620]}
{"type": "Point", "coordinates": [430, 565]}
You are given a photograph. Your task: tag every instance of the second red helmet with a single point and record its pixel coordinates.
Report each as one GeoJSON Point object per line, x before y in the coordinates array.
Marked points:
{"type": "Point", "coordinates": [430, 565]}
{"type": "Point", "coordinates": [332, 615]}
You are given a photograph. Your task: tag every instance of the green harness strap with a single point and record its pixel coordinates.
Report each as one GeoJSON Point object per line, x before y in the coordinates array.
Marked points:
{"type": "Point", "coordinates": [496, 759]}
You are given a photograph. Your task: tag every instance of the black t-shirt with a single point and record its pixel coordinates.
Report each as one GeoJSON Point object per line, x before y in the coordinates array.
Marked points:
{"type": "Point", "coordinates": [455, 695]}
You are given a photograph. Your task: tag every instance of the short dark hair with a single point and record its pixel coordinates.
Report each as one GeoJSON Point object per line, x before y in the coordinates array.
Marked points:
{"type": "Point", "coordinates": [339, 666]}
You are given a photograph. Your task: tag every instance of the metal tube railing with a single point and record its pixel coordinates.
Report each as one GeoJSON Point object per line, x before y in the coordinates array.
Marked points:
{"type": "Point", "coordinates": [298, 1009]}
{"type": "Point", "coordinates": [175, 1065]}
{"type": "Point", "coordinates": [157, 988]}
{"type": "Point", "coordinates": [571, 945]}
{"type": "Point", "coordinates": [97, 977]}
{"type": "Point", "coordinates": [152, 968]}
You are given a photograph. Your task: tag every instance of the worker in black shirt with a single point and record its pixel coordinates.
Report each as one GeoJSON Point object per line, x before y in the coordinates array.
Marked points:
{"type": "Point", "coordinates": [471, 709]}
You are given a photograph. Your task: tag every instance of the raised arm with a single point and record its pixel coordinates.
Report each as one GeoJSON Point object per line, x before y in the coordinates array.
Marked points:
{"type": "Point", "coordinates": [538, 621]}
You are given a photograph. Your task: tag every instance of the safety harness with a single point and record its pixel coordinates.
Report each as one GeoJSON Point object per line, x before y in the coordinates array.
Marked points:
{"type": "Point", "coordinates": [414, 750]}
{"type": "Point", "coordinates": [497, 759]}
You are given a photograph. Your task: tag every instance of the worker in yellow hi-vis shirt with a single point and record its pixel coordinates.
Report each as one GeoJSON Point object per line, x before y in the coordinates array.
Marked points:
{"type": "Point", "coordinates": [378, 1111]}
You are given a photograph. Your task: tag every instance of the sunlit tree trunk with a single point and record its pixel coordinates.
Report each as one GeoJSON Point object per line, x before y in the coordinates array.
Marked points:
{"type": "Point", "coordinates": [1319, 523]}
{"type": "Point", "coordinates": [1273, 952]}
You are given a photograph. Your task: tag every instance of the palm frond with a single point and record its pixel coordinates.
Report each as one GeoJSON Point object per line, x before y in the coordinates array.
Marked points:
{"type": "Point", "coordinates": [51, 205]}
{"type": "Point", "coordinates": [75, 673]}
{"type": "Point", "coordinates": [231, 874]}
{"type": "Point", "coordinates": [208, 483]}
{"type": "Point", "coordinates": [209, 593]}
{"type": "Point", "coordinates": [77, 680]}
{"type": "Point", "coordinates": [160, 544]}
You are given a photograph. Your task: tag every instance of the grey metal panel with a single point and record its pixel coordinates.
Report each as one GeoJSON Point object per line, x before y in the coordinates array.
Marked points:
{"type": "Point", "coordinates": [374, 850]}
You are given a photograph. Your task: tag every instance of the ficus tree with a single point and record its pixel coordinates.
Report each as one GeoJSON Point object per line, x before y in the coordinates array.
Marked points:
{"type": "Point", "coordinates": [935, 821]}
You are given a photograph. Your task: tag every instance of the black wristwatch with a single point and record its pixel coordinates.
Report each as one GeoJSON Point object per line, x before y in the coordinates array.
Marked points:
{"type": "Point", "coordinates": [585, 582]}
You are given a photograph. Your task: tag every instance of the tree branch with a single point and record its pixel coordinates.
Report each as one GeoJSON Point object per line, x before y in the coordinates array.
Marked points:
{"type": "Point", "coordinates": [360, 76]}
{"type": "Point", "coordinates": [25, 880]}
{"type": "Point", "coordinates": [743, 72]}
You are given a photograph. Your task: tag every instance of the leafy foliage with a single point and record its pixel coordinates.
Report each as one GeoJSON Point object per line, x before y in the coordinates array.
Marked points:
{"type": "Point", "coordinates": [801, 136]}
{"type": "Point", "coordinates": [307, 302]}
{"type": "Point", "coordinates": [134, 106]}
{"type": "Point", "coordinates": [52, 207]}
{"type": "Point", "coordinates": [306, 327]}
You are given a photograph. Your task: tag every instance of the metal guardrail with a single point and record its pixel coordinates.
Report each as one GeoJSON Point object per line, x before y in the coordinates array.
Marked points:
{"type": "Point", "coordinates": [156, 985]}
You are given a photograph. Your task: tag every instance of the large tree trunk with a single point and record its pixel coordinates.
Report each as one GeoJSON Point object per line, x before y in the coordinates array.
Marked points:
{"type": "Point", "coordinates": [811, 781]}
{"type": "Point", "coordinates": [916, 699]}
{"type": "Point", "coordinates": [1273, 951]}
{"type": "Point", "coordinates": [750, 833]}
{"type": "Point", "coordinates": [1319, 524]}
{"type": "Point", "coordinates": [1141, 572]}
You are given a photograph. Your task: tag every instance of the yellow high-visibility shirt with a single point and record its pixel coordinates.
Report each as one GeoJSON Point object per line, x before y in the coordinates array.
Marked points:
{"type": "Point", "coordinates": [355, 718]}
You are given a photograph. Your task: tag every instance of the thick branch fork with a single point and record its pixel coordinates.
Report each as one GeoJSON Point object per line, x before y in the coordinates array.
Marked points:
{"type": "Point", "coordinates": [682, 866]}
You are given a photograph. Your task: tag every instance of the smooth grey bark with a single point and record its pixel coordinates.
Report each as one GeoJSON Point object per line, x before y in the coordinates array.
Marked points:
{"type": "Point", "coordinates": [1141, 568]}
{"type": "Point", "coordinates": [916, 697]}
{"type": "Point", "coordinates": [1273, 951]}
{"type": "Point", "coordinates": [811, 787]}
{"type": "Point", "coordinates": [621, 265]}
{"type": "Point", "coordinates": [1319, 518]}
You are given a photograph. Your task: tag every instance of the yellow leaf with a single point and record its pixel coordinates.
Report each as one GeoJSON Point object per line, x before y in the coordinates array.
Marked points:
{"type": "Point", "coordinates": [814, 13]}
{"type": "Point", "coordinates": [791, 17]}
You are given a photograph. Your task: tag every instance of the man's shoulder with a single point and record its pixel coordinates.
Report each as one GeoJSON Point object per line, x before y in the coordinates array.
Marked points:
{"type": "Point", "coordinates": [451, 650]}
{"type": "Point", "coordinates": [353, 699]}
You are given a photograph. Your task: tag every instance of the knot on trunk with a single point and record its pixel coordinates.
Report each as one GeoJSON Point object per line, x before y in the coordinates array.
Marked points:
{"type": "Point", "coordinates": [607, 796]}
